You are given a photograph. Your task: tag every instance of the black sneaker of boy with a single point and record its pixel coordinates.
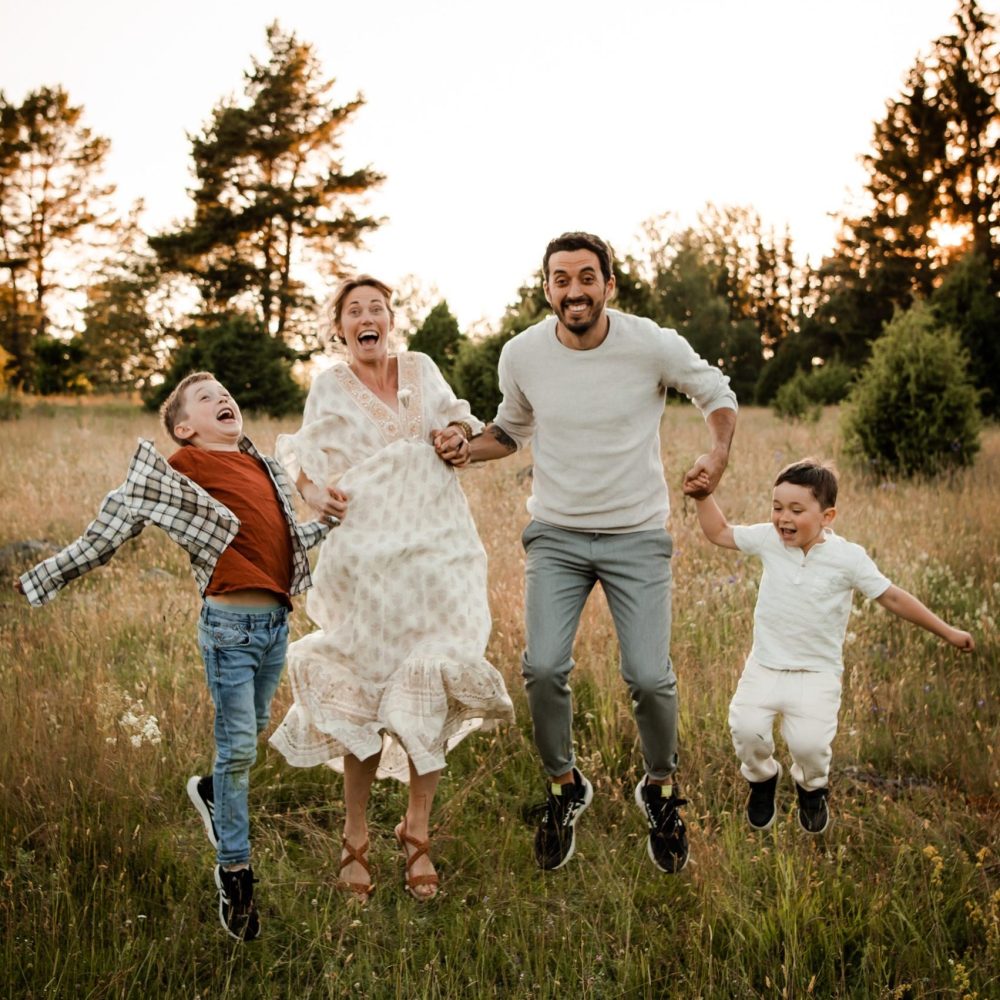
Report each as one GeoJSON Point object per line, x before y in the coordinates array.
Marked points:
{"type": "Point", "coordinates": [761, 812]}
{"type": "Point", "coordinates": [814, 816]}
{"type": "Point", "coordinates": [667, 844]}
{"type": "Point", "coordinates": [237, 912]}
{"type": "Point", "coordinates": [201, 792]}
{"type": "Point", "coordinates": [555, 835]}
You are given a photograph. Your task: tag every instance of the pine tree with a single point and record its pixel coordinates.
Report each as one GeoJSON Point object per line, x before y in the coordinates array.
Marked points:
{"type": "Point", "coordinates": [439, 338]}
{"type": "Point", "coordinates": [934, 185]}
{"type": "Point", "coordinates": [271, 191]}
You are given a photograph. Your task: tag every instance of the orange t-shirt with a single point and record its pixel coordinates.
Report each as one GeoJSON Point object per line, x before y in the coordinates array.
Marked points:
{"type": "Point", "coordinates": [260, 556]}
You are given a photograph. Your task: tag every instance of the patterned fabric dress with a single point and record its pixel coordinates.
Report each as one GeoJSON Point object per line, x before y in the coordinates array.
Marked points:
{"type": "Point", "coordinates": [399, 594]}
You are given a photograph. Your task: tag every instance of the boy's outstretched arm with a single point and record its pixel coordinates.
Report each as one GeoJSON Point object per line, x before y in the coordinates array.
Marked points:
{"type": "Point", "coordinates": [903, 604]}
{"type": "Point", "coordinates": [713, 522]}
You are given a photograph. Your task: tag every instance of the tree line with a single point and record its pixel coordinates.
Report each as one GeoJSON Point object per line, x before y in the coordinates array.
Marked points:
{"type": "Point", "coordinates": [272, 201]}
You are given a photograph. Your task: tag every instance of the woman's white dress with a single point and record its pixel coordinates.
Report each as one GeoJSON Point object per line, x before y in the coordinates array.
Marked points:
{"type": "Point", "coordinates": [399, 592]}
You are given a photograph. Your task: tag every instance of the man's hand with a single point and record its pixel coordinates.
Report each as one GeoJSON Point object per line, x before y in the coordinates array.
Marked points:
{"type": "Point", "coordinates": [18, 586]}
{"type": "Point", "coordinates": [702, 478]}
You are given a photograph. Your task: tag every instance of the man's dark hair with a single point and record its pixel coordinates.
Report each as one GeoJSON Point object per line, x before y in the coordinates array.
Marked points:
{"type": "Point", "coordinates": [580, 241]}
{"type": "Point", "coordinates": [818, 477]}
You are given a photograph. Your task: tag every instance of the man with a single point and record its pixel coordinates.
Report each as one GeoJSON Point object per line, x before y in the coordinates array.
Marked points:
{"type": "Point", "coordinates": [586, 389]}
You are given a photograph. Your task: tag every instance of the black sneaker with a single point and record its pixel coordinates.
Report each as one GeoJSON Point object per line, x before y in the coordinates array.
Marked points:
{"type": "Point", "coordinates": [814, 816]}
{"type": "Point", "coordinates": [667, 844]}
{"type": "Point", "coordinates": [761, 812]}
{"type": "Point", "coordinates": [201, 792]}
{"type": "Point", "coordinates": [236, 910]}
{"type": "Point", "coordinates": [555, 836]}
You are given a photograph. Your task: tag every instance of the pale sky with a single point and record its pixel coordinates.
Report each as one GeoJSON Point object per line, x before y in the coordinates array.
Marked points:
{"type": "Point", "coordinates": [500, 126]}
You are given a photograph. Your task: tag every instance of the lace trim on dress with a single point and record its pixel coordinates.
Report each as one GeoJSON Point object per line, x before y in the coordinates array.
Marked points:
{"type": "Point", "coordinates": [391, 425]}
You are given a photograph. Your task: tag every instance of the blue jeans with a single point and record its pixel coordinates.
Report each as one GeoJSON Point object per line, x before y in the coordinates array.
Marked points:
{"type": "Point", "coordinates": [244, 654]}
{"type": "Point", "coordinates": [633, 568]}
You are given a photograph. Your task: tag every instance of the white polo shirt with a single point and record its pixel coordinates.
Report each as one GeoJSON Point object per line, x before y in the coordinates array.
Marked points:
{"type": "Point", "coordinates": [804, 599]}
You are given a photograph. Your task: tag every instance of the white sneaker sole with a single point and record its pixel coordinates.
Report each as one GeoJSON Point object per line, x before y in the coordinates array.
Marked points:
{"type": "Point", "coordinates": [199, 804]}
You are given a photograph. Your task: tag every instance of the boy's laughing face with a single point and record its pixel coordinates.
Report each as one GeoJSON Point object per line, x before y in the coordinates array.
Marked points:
{"type": "Point", "coordinates": [798, 517]}
{"type": "Point", "coordinates": [210, 418]}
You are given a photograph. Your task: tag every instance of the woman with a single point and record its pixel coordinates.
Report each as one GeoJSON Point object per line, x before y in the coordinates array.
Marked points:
{"type": "Point", "coordinates": [394, 676]}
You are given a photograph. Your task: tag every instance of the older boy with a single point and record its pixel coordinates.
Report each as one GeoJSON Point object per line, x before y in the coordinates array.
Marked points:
{"type": "Point", "coordinates": [795, 664]}
{"type": "Point", "coordinates": [231, 509]}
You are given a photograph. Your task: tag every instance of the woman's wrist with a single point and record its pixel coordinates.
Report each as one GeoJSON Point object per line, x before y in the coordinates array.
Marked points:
{"type": "Point", "coordinates": [465, 428]}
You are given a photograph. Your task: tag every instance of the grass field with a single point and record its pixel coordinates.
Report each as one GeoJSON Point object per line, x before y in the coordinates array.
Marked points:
{"type": "Point", "coordinates": [107, 887]}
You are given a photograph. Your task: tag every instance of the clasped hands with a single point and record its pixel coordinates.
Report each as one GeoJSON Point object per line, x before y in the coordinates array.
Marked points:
{"type": "Point", "coordinates": [702, 478]}
{"type": "Point", "coordinates": [452, 446]}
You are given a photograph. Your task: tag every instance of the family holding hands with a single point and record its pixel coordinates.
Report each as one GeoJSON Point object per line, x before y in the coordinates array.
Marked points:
{"type": "Point", "coordinates": [395, 674]}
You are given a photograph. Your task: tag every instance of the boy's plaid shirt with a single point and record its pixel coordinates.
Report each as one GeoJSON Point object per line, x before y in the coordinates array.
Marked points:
{"type": "Point", "coordinates": [156, 493]}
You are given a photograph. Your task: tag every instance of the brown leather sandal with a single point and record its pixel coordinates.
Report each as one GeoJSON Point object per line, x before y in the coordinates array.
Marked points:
{"type": "Point", "coordinates": [360, 891]}
{"type": "Point", "coordinates": [420, 848]}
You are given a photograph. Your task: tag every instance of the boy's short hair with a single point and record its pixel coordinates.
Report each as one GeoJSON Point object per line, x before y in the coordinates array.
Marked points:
{"type": "Point", "coordinates": [819, 477]}
{"type": "Point", "coordinates": [580, 241]}
{"type": "Point", "coordinates": [172, 411]}
{"type": "Point", "coordinates": [335, 304]}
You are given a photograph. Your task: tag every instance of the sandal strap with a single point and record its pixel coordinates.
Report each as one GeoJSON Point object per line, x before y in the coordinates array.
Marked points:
{"type": "Point", "coordinates": [358, 888]}
{"type": "Point", "coordinates": [357, 855]}
{"type": "Point", "coordinates": [412, 880]}
{"type": "Point", "coordinates": [420, 848]}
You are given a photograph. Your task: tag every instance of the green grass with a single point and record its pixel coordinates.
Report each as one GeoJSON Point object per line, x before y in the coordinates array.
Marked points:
{"type": "Point", "coordinates": [107, 888]}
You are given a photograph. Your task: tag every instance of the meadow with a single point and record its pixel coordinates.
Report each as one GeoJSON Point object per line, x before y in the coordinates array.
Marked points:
{"type": "Point", "coordinates": [107, 875]}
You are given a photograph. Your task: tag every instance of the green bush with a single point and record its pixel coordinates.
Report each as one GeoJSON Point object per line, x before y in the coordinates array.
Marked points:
{"type": "Point", "coordinates": [914, 409]}
{"type": "Point", "coordinates": [254, 366]}
{"type": "Point", "coordinates": [830, 383]}
{"type": "Point", "coordinates": [793, 401]}
{"type": "Point", "coordinates": [10, 407]}
{"type": "Point", "coordinates": [474, 374]}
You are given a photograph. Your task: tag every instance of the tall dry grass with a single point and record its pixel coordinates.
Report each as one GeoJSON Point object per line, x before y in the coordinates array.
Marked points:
{"type": "Point", "coordinates": [107, 877]}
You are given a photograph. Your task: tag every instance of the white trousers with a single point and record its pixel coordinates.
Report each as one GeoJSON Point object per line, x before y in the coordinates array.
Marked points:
{"type": "Point", "coordinates": [807, 701]}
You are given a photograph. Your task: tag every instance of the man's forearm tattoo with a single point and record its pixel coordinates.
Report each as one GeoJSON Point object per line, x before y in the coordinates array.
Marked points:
{"type": "Point", "coordinates": [502, 437]}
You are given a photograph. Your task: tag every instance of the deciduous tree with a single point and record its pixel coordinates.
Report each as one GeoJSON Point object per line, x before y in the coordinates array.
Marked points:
{"type": "Point", "coordinates": [53, 207]}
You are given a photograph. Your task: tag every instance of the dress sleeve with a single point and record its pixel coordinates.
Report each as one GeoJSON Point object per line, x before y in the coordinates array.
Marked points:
{"type": "Point", "coordinates": [442, 405]}
{"type": "Point", "coordinates": [313, 448]}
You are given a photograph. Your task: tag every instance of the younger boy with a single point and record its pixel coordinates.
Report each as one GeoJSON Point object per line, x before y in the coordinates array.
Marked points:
{"type": "Point", "coordinates": [795, 664]}
{"type": "Point", "coordinates": [231, 509]}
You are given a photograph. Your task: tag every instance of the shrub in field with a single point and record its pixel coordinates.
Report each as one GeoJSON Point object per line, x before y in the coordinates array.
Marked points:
{"type": "Point", "coordinates": [802, 396]}
{"type": "Point", "coordinates": [254, 366]}
{"type": "Point", "coordinates": [914, 409]}
{"type": "Point", "coordinates": [793, 402]}
{"type": "Point", "coordinates": [10, 408]}
{"type": "Point", "coordinates": [830, 383]}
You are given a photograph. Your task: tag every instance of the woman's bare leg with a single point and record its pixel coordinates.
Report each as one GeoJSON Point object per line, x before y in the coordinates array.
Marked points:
{"type": "Point", "coordinates": [417, 820]}
{"type": "Point", "coordinates": [358, 778]}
